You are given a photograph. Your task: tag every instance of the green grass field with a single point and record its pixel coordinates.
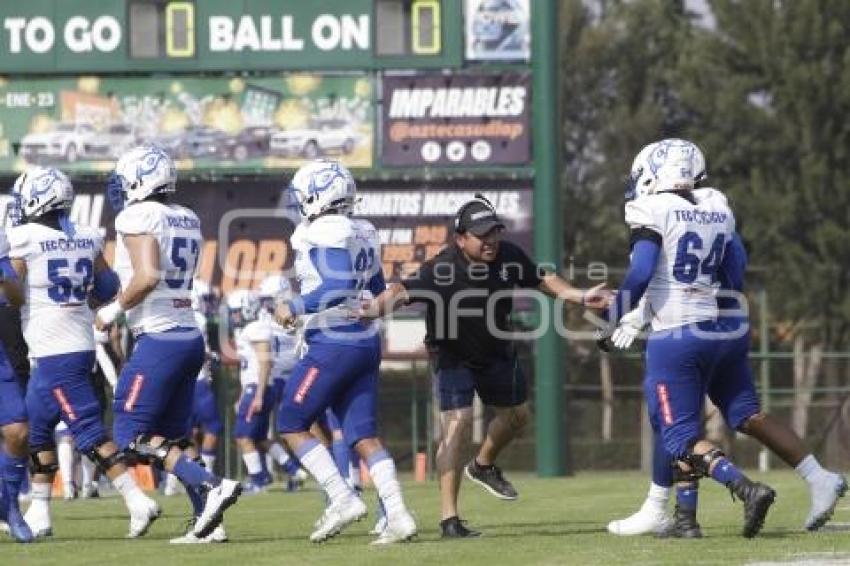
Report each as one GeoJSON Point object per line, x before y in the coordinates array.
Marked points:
{"type": "Point", "coordinates": [560, 521]}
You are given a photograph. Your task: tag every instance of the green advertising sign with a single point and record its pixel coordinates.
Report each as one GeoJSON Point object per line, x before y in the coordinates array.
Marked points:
{"type": "Point", "coordinates": [82, 124]}
{"type": "Point", "coordinates": [81, 36]}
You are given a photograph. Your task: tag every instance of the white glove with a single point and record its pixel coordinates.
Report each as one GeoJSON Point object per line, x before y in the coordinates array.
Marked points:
{"type": "Point", "coordinates": [108, 313]}
{"type": "Point", "coordinates": [630, 326]}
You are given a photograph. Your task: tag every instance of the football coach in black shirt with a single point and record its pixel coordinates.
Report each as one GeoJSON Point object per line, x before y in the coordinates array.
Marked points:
{"type": "Point", "coordinates": [467, 290]}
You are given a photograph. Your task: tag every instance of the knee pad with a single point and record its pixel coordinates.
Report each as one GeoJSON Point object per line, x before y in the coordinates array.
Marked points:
{"type": "Point", "coordinates": [36, 466]}
{"type": "Point", "coordinates": [148, 453]}
{"type": "Point", "coordinates": [701, 463]}
{"type": "Point", "coordinates": [105, 463]}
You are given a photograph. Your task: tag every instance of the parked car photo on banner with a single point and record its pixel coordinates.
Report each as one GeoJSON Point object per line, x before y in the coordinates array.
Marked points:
{"type": "Point", "coordinates": [242, 124]}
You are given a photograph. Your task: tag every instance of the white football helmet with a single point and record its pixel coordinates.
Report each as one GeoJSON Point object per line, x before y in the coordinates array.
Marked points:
{"type": "Point", "coordinates": [667, 165]}
{"type": "Point", "coordinates": [274, 288]}
{"type": "Point", "coordinates": [141, 172]}
{"type": "Point", "coordinates": [38, 191]}
{"type": "Point", "coordinates": [321, 186]}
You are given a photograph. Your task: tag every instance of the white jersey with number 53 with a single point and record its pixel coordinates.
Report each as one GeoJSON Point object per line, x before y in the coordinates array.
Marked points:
{"type": "Point", "coordinates": [177, 232]}
{"type": "Point", "coordinates": [56, 318]}
{"type": "Point", "coordinates": [693, 239]}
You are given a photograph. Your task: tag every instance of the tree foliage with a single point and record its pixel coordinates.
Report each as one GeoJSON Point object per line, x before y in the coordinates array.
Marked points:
{"type": "Point", "coordinates": [765, 92]}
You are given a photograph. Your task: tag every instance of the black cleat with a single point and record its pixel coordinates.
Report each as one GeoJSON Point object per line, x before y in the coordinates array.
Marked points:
{"type": "Point", "coordinates": [454, 527]}
{"type": "Point", "coordinates": [757, 499]}
{"type": "Point", "coordinates": [491, 479]}
{"type": "Point", "coordinates": [684, 525]}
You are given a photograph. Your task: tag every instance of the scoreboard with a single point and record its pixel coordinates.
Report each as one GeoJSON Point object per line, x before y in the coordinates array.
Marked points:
{"type": "Point", "coordinates": [119, 36]}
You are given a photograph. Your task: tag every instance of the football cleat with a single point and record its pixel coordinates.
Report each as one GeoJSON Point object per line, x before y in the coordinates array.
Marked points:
{"type": "Point", "coordinates": [825, 496]}
{"type": "Point", "coordinates": [757, 499]}
{"type": "Point", "coordinates": [337, 516]}
{"type": "Point", "coordinates": [143, 512]}
{"type": "Point", "coordinates": [219, 499]}
{"type": "Point", "coordinates": [455, 527]}
{"type": "Point", "coordinates": [649, 519]}
{"type": "Point", "coordinates": [38, 519]}
{"type": "Point", "coordinates": [683, 525]}
{"type": "Point", "coordinates": [399, 528]}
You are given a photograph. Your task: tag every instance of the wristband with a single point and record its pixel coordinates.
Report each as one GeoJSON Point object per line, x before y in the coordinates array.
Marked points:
{"type": "Point", "coordinates": [110, 312]}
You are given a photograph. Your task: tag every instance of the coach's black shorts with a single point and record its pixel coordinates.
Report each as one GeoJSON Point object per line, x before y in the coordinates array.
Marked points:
{"type": "Point", "coordinates": [501, 384]}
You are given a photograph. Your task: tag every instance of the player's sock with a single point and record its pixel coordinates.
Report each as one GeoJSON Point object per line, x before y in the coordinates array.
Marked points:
{"type": "Point", "coordinates": [658, 496]}
{"type": "Point", "coordinates": [318, 461]}
{"type": "Point", "coordinates": [687, 496]}
{"type": "Point", "coordinates": [65, 456]}
{"type": "Point", "coordinates": [41, 493]}
{"type": "Point", "coordinates": [354, 470]}
{"type": "Point", "coordinates": [88, 471]}
{"type": "Point", "coordinates": [289, 464]}
{"type": "Point", "coordinates": [193, 474]}
{"type": "Point", "coordinates": [208, 458]}
{"type": "Point", "coordinates": [127, 487]}
{"type": "Point", "coordinates": [254, 465]}
{"type": "Point", "coordinates": [14, 472]}
{"type": "Point", "coordinates": [810, 469]}
{"type": "Point", "coordinates": [341, 457]}
{"type": "Point", "coordinates": [725, 472]}
{"type": "Point", "coordinates": [382, 470]}
{"type": "Point", "coordinates": [662, 463]}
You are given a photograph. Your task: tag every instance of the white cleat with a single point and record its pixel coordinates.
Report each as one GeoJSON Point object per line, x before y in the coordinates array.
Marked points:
{"type": "Point", "coordinates": [400, 528]}
{"type": "Point", "coordinates": [649, 519]}
{"type": "Point", "coordinates": [380, 525]}
{"type": "Point", "coordinates": [38, 522]}
{"type": "Point", "coordinates": [825, 496]}
{"type": "Point", "coordinates": [218, 500]}
{"type": "Point", "coordinates": [337, 516]}
{"type": "Point", "coordinates": [217, 536]}
{"type": "Point", "coordinates": [143, 512]}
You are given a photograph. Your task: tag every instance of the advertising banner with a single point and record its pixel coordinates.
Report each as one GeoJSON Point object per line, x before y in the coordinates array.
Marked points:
{"type": "Point", "coordinates": [222, 123]}
{"type": "Point", "coordinates": [456, 119]}
{"type": "Point", "coordinates": [247, 225]}
{"type": "Point", "coordinates": [498, 30]}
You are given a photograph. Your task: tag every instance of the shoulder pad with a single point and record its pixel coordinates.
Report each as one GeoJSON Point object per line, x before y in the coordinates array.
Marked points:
{"type": "Point", "coordinates": [639, 214]}
{"type": "Point", "coordinates": [708, 193]}
{"type": "Point", "coordinates": [139, 219]}
{"type": "Point", "coordinates": [331, 231]}
{"type": "Point", "coordinates": [19, 238]}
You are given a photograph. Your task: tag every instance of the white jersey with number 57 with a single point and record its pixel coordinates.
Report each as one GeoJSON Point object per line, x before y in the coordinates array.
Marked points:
{"type": "Point", "coordinates": [56, 317]}
{"type": "Point", "coordinates": [177, 232]}
{"type": "Point", "coordinates": [693, 239]}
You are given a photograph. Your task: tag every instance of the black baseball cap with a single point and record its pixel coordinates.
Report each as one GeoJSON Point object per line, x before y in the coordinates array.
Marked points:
{"type": "Point", "coordinates": [477, 217]}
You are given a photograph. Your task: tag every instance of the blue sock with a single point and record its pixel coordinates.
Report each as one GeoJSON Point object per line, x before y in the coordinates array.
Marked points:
{"type": "Point", "coordinates": [196, 498]}
{"type": "Point", "coordinates": [662, 463]}
{"type": "Point", "coordinates": [725, 472]}
{"type": "Point", "coordinates": [191, 474]}
{"type": "Point", "coordinates": [341, 457]}
{"type": "Point", "coordinates": [291, 466]}
{"type": "Point", "coordinates": [686, 496]}
{"type": "Point", "coordinates": [14, 475]}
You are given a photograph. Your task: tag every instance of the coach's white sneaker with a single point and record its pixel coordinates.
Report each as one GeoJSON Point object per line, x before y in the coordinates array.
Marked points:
{"type": "Point", "coordinates": [337, 516]}
{"type": "Point", "coordinates": [649, 519]}
{"type": "Point", "coordinates": [400, 528]}
{"type": "Point", "coordinates": [143, 512]}
{"type": "Point", "coordinates": [825, 494]}
{"type": "Point", "coordinates": [218, 500]}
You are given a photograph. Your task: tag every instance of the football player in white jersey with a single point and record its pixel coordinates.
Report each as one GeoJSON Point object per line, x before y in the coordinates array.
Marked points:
{"type": "Point", "coordinates": [284, 349]}
{"type": "Point", "coordinates": [743, 412]}
{"type": "Point", "coordinates": [253, 346]}
{"type": "Point", "coordinates": [337, 258]}
{"type": "Point", "coordinates": [60, 266]}
{"type": "Point", "coordinates": [679, 246]}
{"type": "Point", "coordinates": [156, 256]}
